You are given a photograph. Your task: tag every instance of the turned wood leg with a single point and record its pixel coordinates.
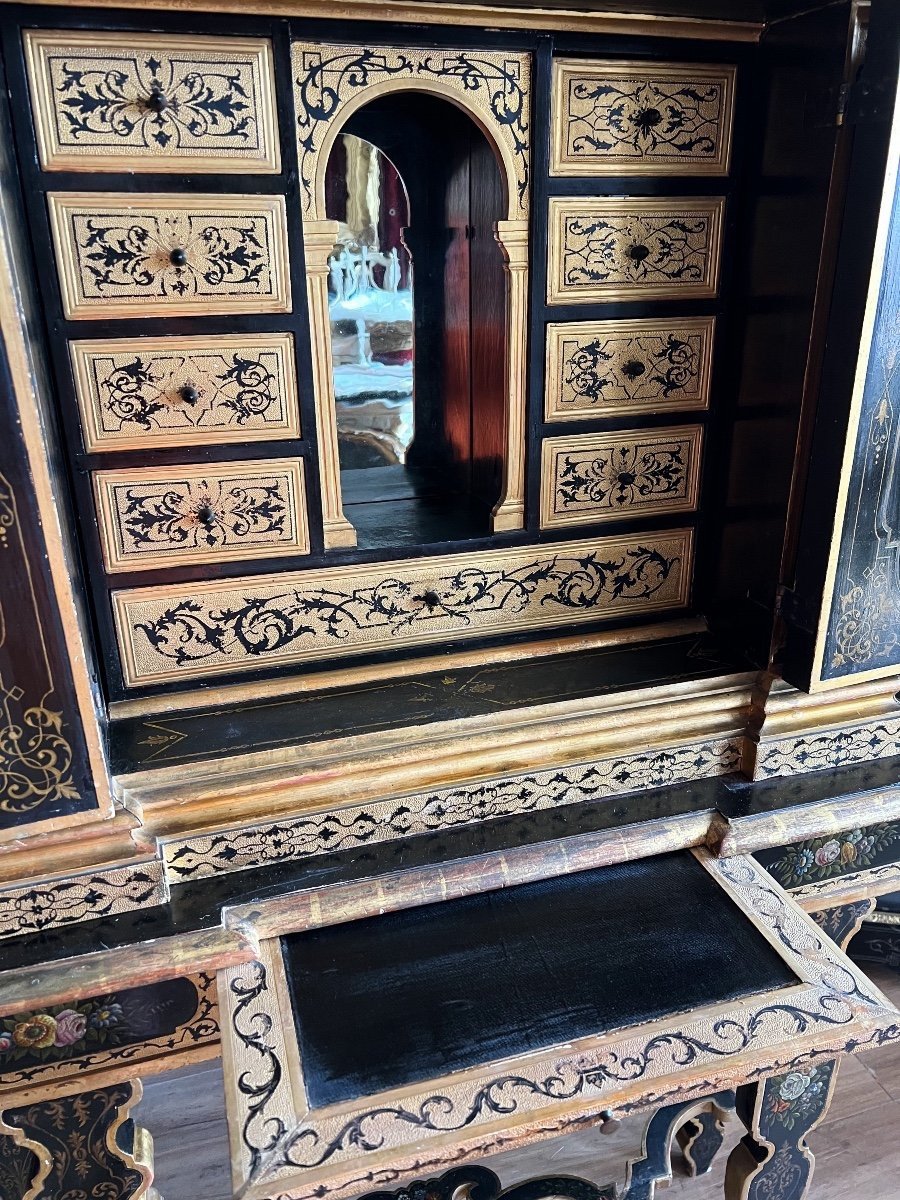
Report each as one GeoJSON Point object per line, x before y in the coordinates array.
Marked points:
{"type": "Point", "coordinates": [81, 1145]}
{"type": "Point", "coordinates": [773, 1161]}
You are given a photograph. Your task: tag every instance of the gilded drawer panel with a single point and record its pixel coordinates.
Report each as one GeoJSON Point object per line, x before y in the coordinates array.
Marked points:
{"type": "Point", "coordinates": [189, 630]}
{"type": "Point", "coordinates": [625, 249]}
{"type": "Point", "coordinates": [142, 393]}
{"type": "Point", "coordinates": [632, 118]}
{"type": "Point", "coordinates": [587, 478]}
{"type": "Point", "coordinates": [615, 368]}
{"type": "Point", "coordinates": [214, 512]}
{"type": "Point", "coordinates": [167, 255]}
{"type": "Point", "coordinates": [141, 102]}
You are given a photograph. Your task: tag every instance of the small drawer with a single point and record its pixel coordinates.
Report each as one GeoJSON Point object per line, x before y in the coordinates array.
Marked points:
{"type": "Point", "coordinates": [633, 249]}
{"type": "Point", "coordinates": [618, 368]}
{"type": "Point", "coordinates": [168, 255]}
{"type": "Point", "coordinates": [144, 393]}
{"type": "Point", "coordinates": [141, 102]}
{"type": "Point", "coordinates": [632, 118]}
{"type": "Point", "coordinates": [217, 512]}
{"type": "Point", "coordinates": [590, 478]}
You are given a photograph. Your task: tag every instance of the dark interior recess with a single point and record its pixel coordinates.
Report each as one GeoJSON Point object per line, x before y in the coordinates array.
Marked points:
{"type": "Point", "coordinates": [465, 982]}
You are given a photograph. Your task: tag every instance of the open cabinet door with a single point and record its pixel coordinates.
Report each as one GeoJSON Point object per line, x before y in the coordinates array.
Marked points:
{"type": "Point", "coordinates": [842, 612]}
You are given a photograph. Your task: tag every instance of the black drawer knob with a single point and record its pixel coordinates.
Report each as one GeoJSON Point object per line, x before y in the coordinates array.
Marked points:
{"type": "Point", "coordinates": [178, 257]}
{"type": "Point", "coordinates": [157, 101]}
{"type": "Point", "coordinates": [189, 394]}
{"type": "Point", "coordinates": [206, 516]}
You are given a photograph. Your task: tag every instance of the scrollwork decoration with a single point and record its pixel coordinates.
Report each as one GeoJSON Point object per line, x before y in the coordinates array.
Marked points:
{"type": "Point", "coordinates": [328, 77]}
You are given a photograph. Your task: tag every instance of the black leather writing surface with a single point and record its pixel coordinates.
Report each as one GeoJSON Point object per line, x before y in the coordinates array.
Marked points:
{"type": "Point", "coordinates": [413, 995]}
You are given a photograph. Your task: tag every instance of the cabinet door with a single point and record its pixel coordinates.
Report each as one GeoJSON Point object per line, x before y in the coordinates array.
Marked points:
{"type": "Point", "coordinates": [842, 612]}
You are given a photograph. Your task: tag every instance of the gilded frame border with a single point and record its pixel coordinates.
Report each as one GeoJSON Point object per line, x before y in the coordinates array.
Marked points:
{"type": "Point", "coordinates": [280, 1144]}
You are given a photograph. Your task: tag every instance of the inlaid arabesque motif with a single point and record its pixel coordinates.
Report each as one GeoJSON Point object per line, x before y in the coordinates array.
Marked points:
{"type": "Point", "coordinates": [618, 248]}
{"type": "Point", "coordinates": [184, 392]}
{"type": "Point", "coordinates": [171, 253]}
{"type": "Point", "coordinates": [329, 77]}
{"type": "Point", "coordinates": [643, 118]}
{"type": "Point", "coordinates": [214, 512]}
{"type": "Point", "coordinates": [607, 368]}
{"type": "Point", "coordinates": [148, 99]}
{"type": "Point", "coordinates": [249, 622]}
{"type": "Point", "coordinates": [631, 473]}
{"type": "Point", "coordinates": [36, 760]}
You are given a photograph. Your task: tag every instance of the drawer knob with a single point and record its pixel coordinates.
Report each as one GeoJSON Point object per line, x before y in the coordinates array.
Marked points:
{"type": "Point", "coordinates": [608, 1122]}
{"type": "Point", "coordinates": [178, 257]}
{"type": "Point", "coordinates": [157, 101]}
{"type": "Point", "coordinates": [206, 515]}
{"type": "Point", "coordinates": [189, 394]}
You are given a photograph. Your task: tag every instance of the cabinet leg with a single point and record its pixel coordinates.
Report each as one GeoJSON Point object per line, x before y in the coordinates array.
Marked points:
{"type": "Point", "coordinates": [773, 1161]}
{"type": "Point", "coordinates": [81, 1145]}
{"type": "Point", "coordinates": [701, 1140]}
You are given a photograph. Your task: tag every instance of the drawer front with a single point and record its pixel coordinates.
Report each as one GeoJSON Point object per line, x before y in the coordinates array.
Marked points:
{"type": "Point", "coordinates": [627, 118]}
{"type": "Point", "coordinates": [215, 512]}
{"type": "Point", "coordinates": [170, 255]}
{"type": "Point", "coordinates": [139, 102]}
{"type": "Point", "coordinates": [190, 630]}
{"type": "Point", "coordinates": [633, 249]}
{"type": "Point", "coordinates": [618, 368]}
{"type": "Point", "coordinates": [608, 477]}
{"type": "Point", "coordinates": [143, 393]}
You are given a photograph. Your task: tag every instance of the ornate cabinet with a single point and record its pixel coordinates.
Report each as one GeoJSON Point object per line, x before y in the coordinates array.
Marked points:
{"type": "Point", "coordinates": [444, 448]}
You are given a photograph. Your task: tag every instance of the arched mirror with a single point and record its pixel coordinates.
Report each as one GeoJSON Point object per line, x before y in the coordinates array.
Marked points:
{"type": "Point", "coordinates": [417, 308]}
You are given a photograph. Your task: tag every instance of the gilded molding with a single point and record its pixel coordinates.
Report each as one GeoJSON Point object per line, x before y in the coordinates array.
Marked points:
{"type": "Point", "coordinates": [181, 631]}
{"type": "Point", "coordinates": [591, 478]}
{"type": "Point", "coordinates": [148, 393]}
{"type": "Point", "coordinates": [281, 1145]}
{"type": "Point", "coordinates": [145, 102]}
{"type": "Point", "coordinates": [293, 837]}
{"type": "Point", "coordinates": [633, 249]}
{"type": "Point", "coordinates": [794, 731]}
{"type": "Point", "coordinates": [640, 118]}
{"type": "Point", "coordinates": [332, 81]}
{"type": "Point", "coordinates": [170, 254]}
{"type": "Point", "coordinates": [625, 368]}
{"type": "Point", "coordinates": [213, 512]}
{"type": "Point", "coordinates": [52, 903]}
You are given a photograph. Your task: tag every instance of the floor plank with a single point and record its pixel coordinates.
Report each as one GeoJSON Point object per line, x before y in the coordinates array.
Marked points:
{"type": "Point", "coordinates": [857, 1147]}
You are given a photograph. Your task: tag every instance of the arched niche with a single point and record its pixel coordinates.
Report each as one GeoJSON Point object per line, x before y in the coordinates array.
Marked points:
{"type": "Point", "coordinates": [333, 85]}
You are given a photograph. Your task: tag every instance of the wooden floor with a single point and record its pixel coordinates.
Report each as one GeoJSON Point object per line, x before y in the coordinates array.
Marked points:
{"type": "Point", "coordinates": [857, 1148]}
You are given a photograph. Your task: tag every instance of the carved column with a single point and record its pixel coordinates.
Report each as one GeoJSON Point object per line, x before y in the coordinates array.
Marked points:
{"type": "Point", "coordinates": [512, 237]}
{"type": "Point", "coordinates": [81, 1145]}
{"type": "Point", "coordinates": [319, 238]}
{"type": "Point", "coordinates": [773, 1159]}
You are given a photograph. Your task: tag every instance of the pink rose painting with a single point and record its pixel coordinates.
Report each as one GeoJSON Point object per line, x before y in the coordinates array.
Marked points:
{"type": "Point", "coordinates": [71, 1027]}
{"type": "Point", "coordinates": [827, 854]}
